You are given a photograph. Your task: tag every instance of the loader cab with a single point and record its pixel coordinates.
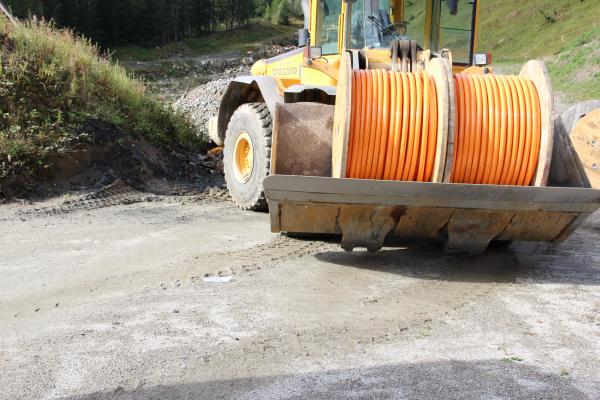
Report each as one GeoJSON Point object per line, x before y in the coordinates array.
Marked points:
{"type": "Point", "coordinates": [373, 24]}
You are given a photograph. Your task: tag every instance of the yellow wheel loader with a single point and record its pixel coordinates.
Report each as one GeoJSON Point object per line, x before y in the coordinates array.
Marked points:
{"type": "Point", "coordinates": [385, 123]}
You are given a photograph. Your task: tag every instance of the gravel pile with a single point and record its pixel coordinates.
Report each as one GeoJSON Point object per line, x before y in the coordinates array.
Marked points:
{"type": "Point", "coordinates": [203, 101]}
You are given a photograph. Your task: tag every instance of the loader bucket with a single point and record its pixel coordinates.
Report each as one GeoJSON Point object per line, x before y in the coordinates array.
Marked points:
{"type": "Point", "coordinates": [467, 217]}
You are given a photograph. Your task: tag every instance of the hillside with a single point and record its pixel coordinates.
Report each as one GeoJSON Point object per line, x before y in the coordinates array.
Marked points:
{"type": "Point", "coordinates": [515, 30]}
{"type": "Point", "coordinates": [59, 96]}
{"type": "Point", "coordinates": [565, 33]}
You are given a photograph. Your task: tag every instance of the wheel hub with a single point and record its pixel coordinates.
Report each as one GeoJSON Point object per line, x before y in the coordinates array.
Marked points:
{"type": "Point", "coordinates": [243, 157]}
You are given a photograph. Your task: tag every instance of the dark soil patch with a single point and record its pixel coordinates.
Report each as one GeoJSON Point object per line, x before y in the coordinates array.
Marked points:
{"type": "Point", "coordinates": [102, 154]}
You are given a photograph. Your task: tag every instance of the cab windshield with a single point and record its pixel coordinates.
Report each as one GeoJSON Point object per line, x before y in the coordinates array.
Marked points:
{"type": "Point", "coordinates": [374, 27]}
{"type": "Point", "coordinates": [371, 24]}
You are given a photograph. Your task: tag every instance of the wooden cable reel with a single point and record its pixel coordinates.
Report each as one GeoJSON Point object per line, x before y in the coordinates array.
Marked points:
{"type": "Point", "coordinates": [432, 127]}
{"type": "Point", "coordinates": [586, 139]}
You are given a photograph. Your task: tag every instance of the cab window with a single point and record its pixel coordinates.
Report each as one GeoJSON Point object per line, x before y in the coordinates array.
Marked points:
{"type": "Point", "coordinates": [327, 35]}
{"type": "Point", "coordinates": [414, 18]}
{"type": "Point", "coordinates": [372, 24]}
{"type": "Point", "coordinates": [456, 31]}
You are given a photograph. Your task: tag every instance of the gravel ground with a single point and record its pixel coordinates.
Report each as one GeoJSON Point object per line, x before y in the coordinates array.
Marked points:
{"type": "Point", "coordinates": [195, 85]}
{"type": "Point", "coordinates": [191, 298]}
{"type": "Point", "coordinates": [203, 102]}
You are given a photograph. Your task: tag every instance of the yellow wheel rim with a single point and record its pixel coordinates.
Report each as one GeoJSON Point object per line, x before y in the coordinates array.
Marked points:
{"type": "Point", "coordinates": [243, 157]}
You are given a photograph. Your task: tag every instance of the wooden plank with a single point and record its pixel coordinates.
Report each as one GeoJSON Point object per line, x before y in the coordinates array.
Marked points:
{"type": "Point", "coordinates": [586, 139]}
{"type": "Point", "coordinates": [441, 72]}
{"type": "Point", "coordinates": [302, 135]}
{"type": "Point", "coordinates": [341, 124]}
{"type": "Point", "coordinates": [536, 71]}
{"type": "Point", "coordinates": [452, 123]}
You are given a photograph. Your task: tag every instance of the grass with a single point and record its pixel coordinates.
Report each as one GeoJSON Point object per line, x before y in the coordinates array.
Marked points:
{"type": "Point", "coordinates": [51, 81]}
{"type": "Point", "coordinates": [517, 30]}
{"type": "Point", "coordinates": [576, 68]}
{"type": "Point", "coordinates": [512, 359]}
{"type": "Point", "coordinates": [244, 39]}
{"type": "Point", "coordinates": [564, 33]}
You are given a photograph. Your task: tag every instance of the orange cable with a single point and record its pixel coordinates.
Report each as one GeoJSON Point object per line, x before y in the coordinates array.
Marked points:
{"type": "Point", "coordinates": [393, 126]}
{"type": "Point", "coordinates": [498, 131]}
{"type": "Point", "coordinates": [433, 131]}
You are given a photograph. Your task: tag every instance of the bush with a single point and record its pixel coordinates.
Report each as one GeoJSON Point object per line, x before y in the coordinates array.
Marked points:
{"type": "Point", "coordinates": [51, 81]}
{"type": "Point", "coordinates": [283, 13]}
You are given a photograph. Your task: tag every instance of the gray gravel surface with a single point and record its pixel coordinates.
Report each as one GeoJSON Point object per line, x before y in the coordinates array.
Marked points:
{"type": "Point", "coordinates": [121, 302]}
{"type": "Point", "coordinates": [215, 72]}
{"type": "Point", "coordinates": [203, 102]}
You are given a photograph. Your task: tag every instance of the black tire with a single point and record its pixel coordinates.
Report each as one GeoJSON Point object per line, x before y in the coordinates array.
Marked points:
{"type": "Point", "coordinates": [255, 120]}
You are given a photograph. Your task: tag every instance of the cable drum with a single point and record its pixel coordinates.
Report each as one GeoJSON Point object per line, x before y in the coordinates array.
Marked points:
{"type": "Point", "coordinates": [433, 126]}
{"type": "Point", "coordinates": [498, 132]}
{"type": "Point", "coordinates": [393, 126]}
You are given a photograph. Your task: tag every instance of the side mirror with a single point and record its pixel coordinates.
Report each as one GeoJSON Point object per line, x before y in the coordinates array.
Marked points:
{"type": "Point", "coordinates": [303, 37]}
{"type": "Point", "coordinates": [315, 53]}
{"type": "Point", "coordinates": [312, 53]}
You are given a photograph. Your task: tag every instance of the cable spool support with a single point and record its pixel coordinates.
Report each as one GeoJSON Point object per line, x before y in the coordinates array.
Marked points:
{"type": "Point", "coordinates": [504, 129]}
{"type": "Point", "coordinates": [398, 124]}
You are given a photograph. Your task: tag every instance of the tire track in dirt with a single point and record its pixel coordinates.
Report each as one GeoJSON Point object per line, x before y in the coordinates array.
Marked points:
{"type": "Point", "coordinates": [266, 255]}
{"type": "Point", "coordinates": [120, 193]}
{"type": "Point", "coordinates": [428, 294]}
{"type": "Point", "coordinates": [432, 291]}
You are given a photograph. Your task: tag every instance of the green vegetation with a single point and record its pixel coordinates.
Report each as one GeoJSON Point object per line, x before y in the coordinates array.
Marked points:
{"type": "Point", "coordinates": [148, 22]}
{"type": "Point", "coordinates": [51, 82]}
{"type": "Point", "coordinates": [564, 33]}
{"type": "Point", "coordinates": [155, 23]}
{"type": "Point", "coordinates": [282, 12]}
{"type": "Point", "coordinates": [512, 359]}
{"type": "Point", "coordinates": [516, 30]}
{"type": "Point", "coordinates": [576, 68]}
{"type": "Point", "coordinates": [244, 39]}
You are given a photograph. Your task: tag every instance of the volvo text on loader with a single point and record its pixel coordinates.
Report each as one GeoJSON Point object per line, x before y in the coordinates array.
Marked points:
{"type": "Point", "coordinates": [386, 123]}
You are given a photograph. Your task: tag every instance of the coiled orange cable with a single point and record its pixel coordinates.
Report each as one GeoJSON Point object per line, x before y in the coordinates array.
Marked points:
{"type": "Point", "coordinates": [498, 131]}
{"type": "Point", "coordinates": [394, 123]}
{"type": "Point", "coordinates": [393, 126]}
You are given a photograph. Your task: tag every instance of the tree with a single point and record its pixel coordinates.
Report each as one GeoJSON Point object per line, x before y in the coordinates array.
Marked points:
{"type": "Point", "coordinates": [152, 22]}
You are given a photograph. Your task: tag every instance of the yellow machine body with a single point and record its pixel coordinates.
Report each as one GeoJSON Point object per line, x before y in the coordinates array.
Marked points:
{"type": "Point", "coordinates": [292, 69]}
{"type": "Point", "coordinates": [308, 94]}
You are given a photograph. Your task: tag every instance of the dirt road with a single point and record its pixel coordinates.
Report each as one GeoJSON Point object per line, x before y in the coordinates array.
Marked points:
{"type": "Point", "coordinates": [150, 297]}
